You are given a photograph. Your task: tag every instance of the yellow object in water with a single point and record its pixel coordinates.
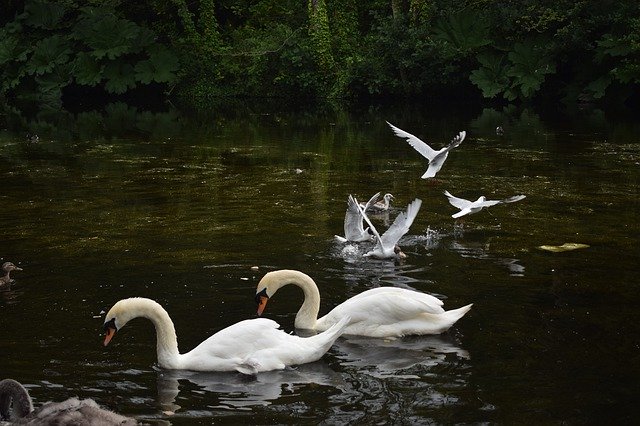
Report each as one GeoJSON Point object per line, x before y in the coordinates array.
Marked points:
{"type": "Point", "coordinates": [564, 247]}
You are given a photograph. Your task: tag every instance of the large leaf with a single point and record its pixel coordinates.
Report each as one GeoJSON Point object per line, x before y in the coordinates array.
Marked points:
{"type": "Point", "coordinates": [107, 35]}
{"type": "Point", "coordinates": [466, 31]}
{"type": "Point", "coordinates": [160, 67]}
{"type": "Point", "coordinates": [47, 54]}
{"type": "Point", "coordinates": [492, 77]}
{"type": "Point", "coordinates": [87, 69]}
{"type": "Point", "coordinates": [43, 15]}
{"type": "Point", "coordinates": [530, 65]}
{"type": "Point", "coordinates": [120, 77]}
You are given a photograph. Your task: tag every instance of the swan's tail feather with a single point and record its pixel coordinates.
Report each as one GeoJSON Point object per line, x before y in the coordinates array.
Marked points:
{"type": "Point", "coordinates": [326, 339]}
{"type": "Point", "coordinates": [452, 316]}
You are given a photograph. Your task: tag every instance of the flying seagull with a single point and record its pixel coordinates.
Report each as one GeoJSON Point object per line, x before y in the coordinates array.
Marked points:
{"type": "Point", "coordinates": [436, 158]}
{"type": "Point", "coordinates": [471, 207]}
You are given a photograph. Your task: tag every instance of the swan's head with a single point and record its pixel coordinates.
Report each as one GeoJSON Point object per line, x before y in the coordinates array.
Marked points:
{"type": "Point", "coordinates": [124, 311]}
{"type": "Point", "coordinates": [8, 267]}
{"type": "Point", "coordinates": [273, 281]}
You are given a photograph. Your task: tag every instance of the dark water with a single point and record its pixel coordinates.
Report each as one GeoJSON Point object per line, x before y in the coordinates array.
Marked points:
{"type": "Point", "coordinates": [122, 203]}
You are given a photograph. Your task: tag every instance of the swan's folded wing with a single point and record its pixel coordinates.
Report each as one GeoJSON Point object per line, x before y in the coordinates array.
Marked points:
{"type": "Point", "coordinates": [424, 149]}
{"type": "Point", "coordinates": [386, 305]}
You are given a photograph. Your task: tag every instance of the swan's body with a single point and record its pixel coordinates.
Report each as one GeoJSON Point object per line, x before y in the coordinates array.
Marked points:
{"type": "Point", "coordinates": [436, 158]}
{"type": "Point", "coordinates": [378, 312]}
{"type": "Point", "coordinates": [7, 267]}
{"type": "Point", "coordinates": [70, 412]}
{"type": "Point", "coordinates": [249, 346]}
{"type": "Point", "coordinates": [471, 207]}
{"type": "Point", "coordinates": [353, 229]}
{"type": "Point", "coordinates": [387, 244]}
{"type": "Point", "coordinates": [379, 206]}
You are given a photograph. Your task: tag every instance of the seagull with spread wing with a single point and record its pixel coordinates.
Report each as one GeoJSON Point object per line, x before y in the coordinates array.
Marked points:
{"type": "Point", "coordinates": [387, 244]}
{"type": "Point", "coordinates": [470, 207]}
{"type": "Point", "coordinates": [436, 158]}
{"type": "Point", "coordinates": [353, 229]}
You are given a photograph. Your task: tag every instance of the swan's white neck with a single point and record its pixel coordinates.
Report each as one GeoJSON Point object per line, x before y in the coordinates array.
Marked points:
{"type": "Point", "coordinates": [166, 339]}
{"type": "Point", "coordinates": [307, 315]}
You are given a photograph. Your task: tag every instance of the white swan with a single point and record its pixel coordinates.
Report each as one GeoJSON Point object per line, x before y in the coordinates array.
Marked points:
{"type": "Point", "coordinates": [379, 206]}
{"type": "Point", "coordinates": [436, 158]}
{"type": "Point", "coordinates": [249, 346]}
{"type": "Point", "coordinates": [15, 398]}
{"type": "Point", "coordinates": [378, 312]}
{"type": "Point", "coordinates": [387, 244]}
{"type": "Point", "coordinates": [471, 207]}
{"type": "Point", "coordinates": [7, 267]}
{"type": "Point", "coordinates": [353, 229]}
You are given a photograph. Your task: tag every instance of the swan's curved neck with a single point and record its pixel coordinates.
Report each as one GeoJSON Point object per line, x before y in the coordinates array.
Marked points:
{"type": "Point", "coordinates": [166, 338]}
{"type": "Point", "coordinates": [12, 391]}
{"type": "Point", "coordinates": [307, 315]}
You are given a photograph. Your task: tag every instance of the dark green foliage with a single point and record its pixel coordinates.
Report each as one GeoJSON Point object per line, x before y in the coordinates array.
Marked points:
{"type": "Point", "coordinates": [52, 45]}
{"type": "Point", "coordinates": [512, 51]}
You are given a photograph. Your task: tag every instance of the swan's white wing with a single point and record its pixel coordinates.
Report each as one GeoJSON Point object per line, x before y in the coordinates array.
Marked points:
{"type": "Point", "coordinates": [401, 225]}
{"type": "Point", "coordinates": [424, 149]}
{"type": "Point", "coordinates": [460, 203]}
{"type": "Point", "coordinates": [382, 307]}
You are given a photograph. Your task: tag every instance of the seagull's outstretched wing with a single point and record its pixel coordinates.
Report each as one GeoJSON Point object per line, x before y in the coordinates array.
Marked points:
{"type": "Point", "coordinates": [460, 203]}
{"type": "Point", "coordinates": [401, 225]}
{"type": "Point", "coordinates": [489, 203]}
{"type": "Point", "coordinates": [372, 201]}
{"type": "Point", "coordinates": [424, 149]}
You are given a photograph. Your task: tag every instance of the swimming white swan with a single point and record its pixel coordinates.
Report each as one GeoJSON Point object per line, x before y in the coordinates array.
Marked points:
{"type": "Point", "coordinates": [7, 267]}
{"type": "Point", "coordinates": [387, 244]}
{"type": "Point", "coordinates": [379, 206]}
{"type": "Point", "coordinates": [378, 312]}
{"type": "Point", "coordinates": [249, 346]}
{"type": "Point", "coordinates": [353, 229]}
{"type": "Point", "coordinates": [471, 207]}
{"type": "Point", "coordinates": [436, 158]}
{"type": "Point", "coordinates": [15, 398]}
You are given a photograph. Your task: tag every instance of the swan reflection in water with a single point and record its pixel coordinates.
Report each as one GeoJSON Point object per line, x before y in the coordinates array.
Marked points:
{"type": "Point", "coordinates": [242, 391]}
{"type": "Point", "coordinates": [408, 357]}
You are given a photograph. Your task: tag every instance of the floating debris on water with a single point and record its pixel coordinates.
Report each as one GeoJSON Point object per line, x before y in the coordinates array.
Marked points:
{"type": "Point", "coordinates": [563, 247]}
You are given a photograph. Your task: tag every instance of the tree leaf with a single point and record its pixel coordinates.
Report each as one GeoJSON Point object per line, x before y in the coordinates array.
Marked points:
{"type": "Point", "coordinates": [107, 35]}
{"type": "Point", "coordinates": [120, 77]}
{"type": "Point", "coordinates": [47, 15]}
{"type": "Point", "coordinates": [87, 69]}
{"type": "Point", "coordinates": [492, 77]}
{"type": "Point", "coordinates": [47, 54]}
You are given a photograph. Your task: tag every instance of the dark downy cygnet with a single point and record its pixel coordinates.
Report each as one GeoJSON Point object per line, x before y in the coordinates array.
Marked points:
{"type": "Point", "coordinates": [16, 407]}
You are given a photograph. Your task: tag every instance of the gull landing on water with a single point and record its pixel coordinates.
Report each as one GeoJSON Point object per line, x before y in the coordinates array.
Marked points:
{"type": "Point", "coordinates": [380, 206]}
{"type": "Point", "coordinates": [387, 244]}
{"type": "Point", "coordinates": [469, 207]}
{"type": "Point", "coordinates": [436, 158]}
{"type": "Point", "coordinates": [353, 229]}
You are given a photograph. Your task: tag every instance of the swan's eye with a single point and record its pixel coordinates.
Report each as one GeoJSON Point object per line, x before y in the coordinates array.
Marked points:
{"type": "Point", "coordinates": [110, 324]}
{"type": "Point", "coordinates": [262, 293]}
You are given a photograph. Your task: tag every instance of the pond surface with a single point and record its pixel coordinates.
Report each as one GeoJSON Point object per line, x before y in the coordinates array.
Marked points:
{"type": "Point", "coordinates": [181, 209]}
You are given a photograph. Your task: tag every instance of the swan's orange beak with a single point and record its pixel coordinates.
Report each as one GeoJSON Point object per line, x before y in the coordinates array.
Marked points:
{"type": "Point", "coordinates": [262, 303]}
{"type": "Point", "coordinates": [109, 333]}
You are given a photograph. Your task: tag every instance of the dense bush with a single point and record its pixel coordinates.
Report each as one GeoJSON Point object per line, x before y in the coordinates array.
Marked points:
{"type": "Point", "coordinates": [513, 51]}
